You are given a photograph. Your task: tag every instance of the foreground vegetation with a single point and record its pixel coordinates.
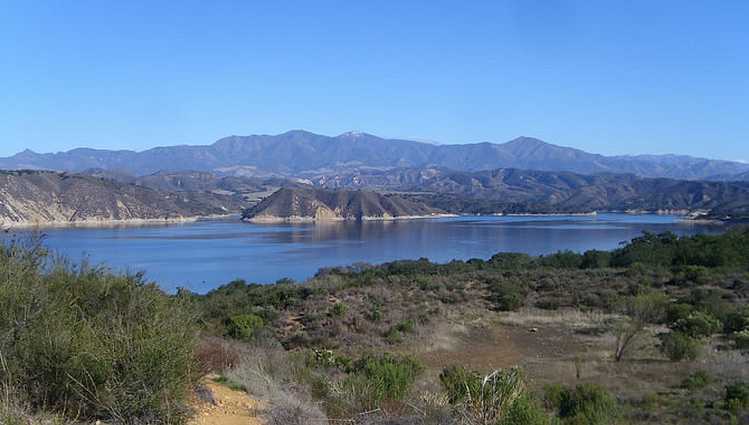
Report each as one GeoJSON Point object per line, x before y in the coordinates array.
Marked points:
{"type": "Point", "coordinates": [592, 338]}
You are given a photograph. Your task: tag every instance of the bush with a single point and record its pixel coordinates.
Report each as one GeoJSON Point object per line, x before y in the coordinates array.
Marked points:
{"type": "Point", "coordinates": [339, 309]}
{"type": "Point", "coordinates": [697, 380]}
{"type": "Point", "coordinates": [525, 411]}
{"type": "Point", "coordinates": [243, 326]}
{"type": "Point", "coordinates": [595, 259]}
{"type": "Point", "coordinates": [406, 326]}
{"type": "Point", "coordinates": [390, 376]}
{"type": "Point", "coordinates": [678, 311]}
{"type": "Point", "coordinates": [553, 394]}
{"type": "Point", "coordinates": [697, 325]}
{"type": "Point", "coordinates": [499, 397]}
{"type": "Point", "coordinates": [678, 346]}
{"type": "Point", "coordinates": [736, 321]}
{"type": "Point", "coordinates": [88, 343]}
{"type": "Point", "coordinates": [393, 336]}
{"type": "Point", "coordinates": [511, 261]}
{"type": "Point", "coordinates": [742, 339]}
{"type": "Point", "coordinates": [215, 355]}
{"type": "Point", "coordinates": [506, 296]}
{"type": "Point", "coordinates": [588, 404]}
{"type": "Point", "coordinates": [563, 260]}
{"type": "Point", "coordinates": [458, 383]}
{"type": "Point", "coordinates": [737, 396]}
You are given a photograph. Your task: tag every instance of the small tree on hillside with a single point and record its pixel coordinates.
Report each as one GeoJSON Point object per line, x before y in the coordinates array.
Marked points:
{"type": "Point", "coordinates": [642, 309]}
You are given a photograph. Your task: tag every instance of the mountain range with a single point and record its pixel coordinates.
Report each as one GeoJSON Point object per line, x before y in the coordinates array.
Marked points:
{"type": "Point", "coordinates": [511, 190]}
{"type": "Point", "coordinates": [300, 153]}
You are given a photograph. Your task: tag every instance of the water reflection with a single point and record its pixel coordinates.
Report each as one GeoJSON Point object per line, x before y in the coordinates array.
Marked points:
{"type": "Point", "coordinates": [202, 255]}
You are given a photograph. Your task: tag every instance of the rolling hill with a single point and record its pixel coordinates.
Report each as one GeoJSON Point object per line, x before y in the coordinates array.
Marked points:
{"type": "Point", "coordinates": [513, 190]}
{"type": "Point", "coordinates": [309, 204]}
{"type": "Point", "coordinates": [43, 197]}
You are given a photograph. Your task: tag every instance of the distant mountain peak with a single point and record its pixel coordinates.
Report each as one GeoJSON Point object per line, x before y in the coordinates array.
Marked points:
{"type": "Point", "coordinates": [355, 135]}
{"type": "Point", "coordinates": [25, 153]}
{"type": "Point", "coordinates": [525, 140]}
{"type": "Point", "coordinates": [298, 132]}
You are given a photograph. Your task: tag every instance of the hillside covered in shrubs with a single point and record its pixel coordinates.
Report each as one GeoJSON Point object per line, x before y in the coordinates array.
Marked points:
{"type": "Point", "coordinates": [655, 332]}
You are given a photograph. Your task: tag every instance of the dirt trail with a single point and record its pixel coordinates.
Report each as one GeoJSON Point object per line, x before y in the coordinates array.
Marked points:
{"type": "Point", "coordinates": [221, 405]}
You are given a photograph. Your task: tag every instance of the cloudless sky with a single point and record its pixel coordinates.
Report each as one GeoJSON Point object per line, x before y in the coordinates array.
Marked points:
{"type": "Point", "coordinates": [611, 77]}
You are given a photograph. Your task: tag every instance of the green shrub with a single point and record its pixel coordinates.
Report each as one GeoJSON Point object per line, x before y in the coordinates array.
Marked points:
{"type": "Point", "coordinates": [375, 314]}
{"type": "Point", "coordinates": [390, 376]}
{"type": "Point", "coordinates": [243, 326]}
{"type": "Point", "coordinates": [393, 336]}
{"type": "Point", "coordinates": [742, 339]}
{"type": "Point", "coordinates": [737, 396]}
{"type": "Point", "coordinates": [339, 309]}
{"type": "Point", "coordinates": [328, 359]}
{"type": "Point", "coordinates": [697, 325]}
{"type": "Point", "coordinates": [458, 383]}
{"type": "Point", "coordinates": [406, 326]}
{"type": "Point", "coordinates": [92, 344]}
{"type": "Point", "coordinates": [497, 398]}
{"type": "Point", "coordinates": [710, 301]}
{"type": "Point", "coordinates": [697, 380]}
{"type": "Point", "coordinates": [678, 346]}
{"type": "Point", "coordinates": [525, 411]}
{"type": "Point", "coordinates": [678, 311]}
{"type": "Point", "coordinates": [511, 261]}
{"type": "Point", "coordinates": [506, 296]}
{"type": "Point", "coordinates": [562, 260]}
{"type": "Point", "coordinates": [594, 259]}
{"type": "Point", "coordinates": [553, 394]}
{"type": "Point", "coordinates": [588, 404]}
{"type": "Point", "coordinates": [736, 321]}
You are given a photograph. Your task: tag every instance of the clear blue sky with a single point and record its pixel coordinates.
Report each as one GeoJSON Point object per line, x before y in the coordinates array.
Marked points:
{"type": "Point", "coordinates": [612, 77]}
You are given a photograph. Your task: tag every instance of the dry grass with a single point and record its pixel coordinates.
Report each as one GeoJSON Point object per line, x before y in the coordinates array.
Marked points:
{"type": "Point", "coordinates": [267, 372]}
{"type": "Point", "coordinates": [569, 318]}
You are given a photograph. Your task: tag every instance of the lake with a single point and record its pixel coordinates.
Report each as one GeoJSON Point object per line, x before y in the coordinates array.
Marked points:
{"type": "Point", "coordinates": [205, 254]}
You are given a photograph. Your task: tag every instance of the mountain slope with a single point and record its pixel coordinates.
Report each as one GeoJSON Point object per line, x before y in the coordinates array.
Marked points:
{"type": "Point", "coordinates": [309, 204]}
{"type": "Point", "coordinates": [41, 197]}
{"type": "Point", "coordinates": [301, 153]}
{"type": "Point", "coordinates": [513, 190]}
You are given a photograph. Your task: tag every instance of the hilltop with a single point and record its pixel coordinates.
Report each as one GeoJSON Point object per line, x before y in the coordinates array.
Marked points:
{"type": "Point", "coordinates": [309, 204]}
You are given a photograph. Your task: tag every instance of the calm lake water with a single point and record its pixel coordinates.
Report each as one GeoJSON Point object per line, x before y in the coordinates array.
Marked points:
{"type": "Point", "coordinates": [200, 256]}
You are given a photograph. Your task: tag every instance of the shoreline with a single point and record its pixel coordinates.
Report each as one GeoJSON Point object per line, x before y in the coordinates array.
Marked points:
{"type": "Point", "coordinates": [299, 219]}
{"type": "Point", "coordinates": [570, 214]}
{"type": "Point", "coordinates": [104, 223]}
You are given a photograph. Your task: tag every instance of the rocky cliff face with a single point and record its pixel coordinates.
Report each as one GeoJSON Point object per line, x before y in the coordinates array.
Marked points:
{"type": "Point", "coordinates": [308, 204]}
{"type": "Point", "coordinates": [49, 198]}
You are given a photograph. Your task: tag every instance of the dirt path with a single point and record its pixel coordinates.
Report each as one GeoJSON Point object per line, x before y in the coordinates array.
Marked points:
{"type": "Point", "coordinates": [220, 405]}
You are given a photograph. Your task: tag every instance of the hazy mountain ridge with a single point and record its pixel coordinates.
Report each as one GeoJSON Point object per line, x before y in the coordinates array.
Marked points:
{"type": "Point", "coordinates": [513, 190]}
{"type": "Point", "coordinates": [43, 197]}
{"type": "Point", "coordinates": [301, 153]}
{"type": "Point", "coordinates": [310, 204]}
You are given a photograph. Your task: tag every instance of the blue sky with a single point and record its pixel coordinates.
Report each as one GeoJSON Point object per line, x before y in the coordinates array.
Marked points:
{"type": "Point", "coordinates": [611, 77]}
